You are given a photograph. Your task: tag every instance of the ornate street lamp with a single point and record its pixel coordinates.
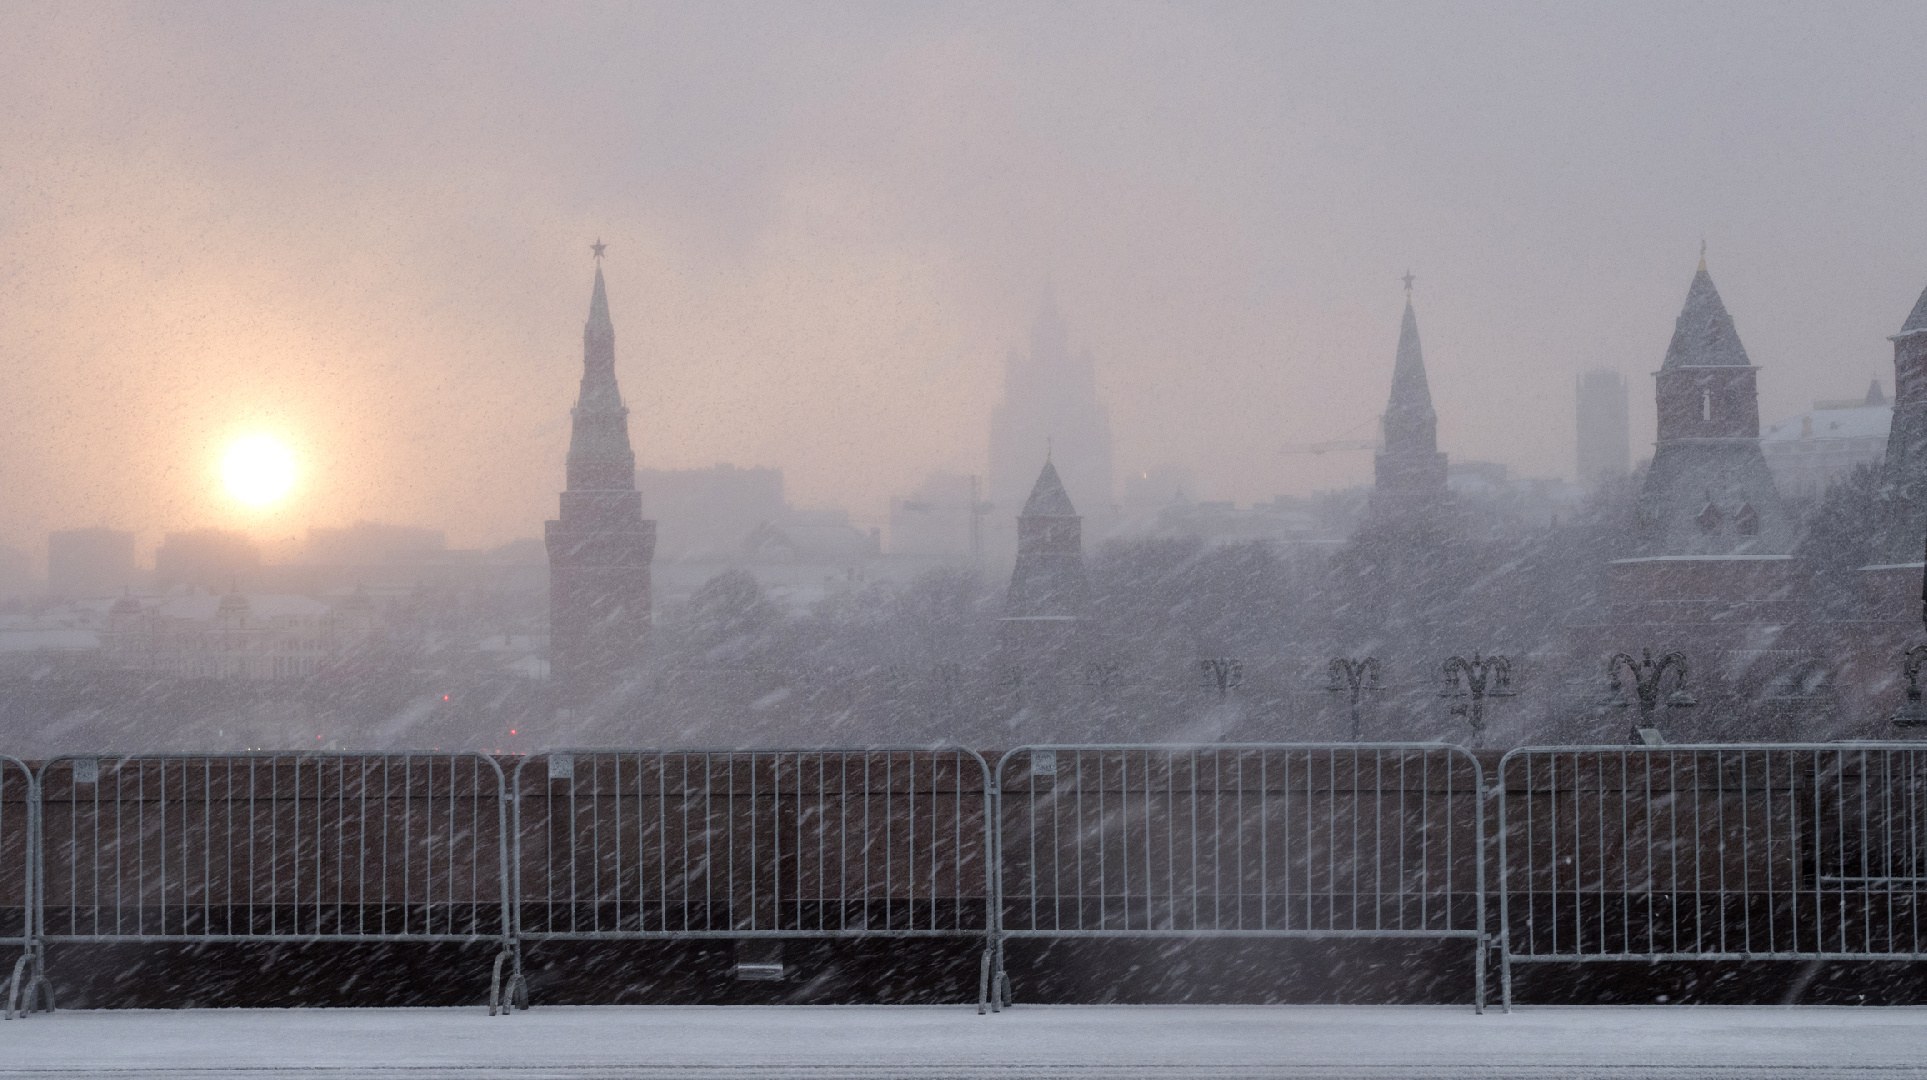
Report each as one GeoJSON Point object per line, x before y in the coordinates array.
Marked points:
{"type": "Point", "coordinates": [1911, 712]}
{"type": "Point", "coordinates": [1222, 673]}
{"type": "Point", "coordinates": [1479, 678]}
{"type": "Point", "coordinates": [1647, 673]}
{"type": "Point", "coordinates": [1357, 675]}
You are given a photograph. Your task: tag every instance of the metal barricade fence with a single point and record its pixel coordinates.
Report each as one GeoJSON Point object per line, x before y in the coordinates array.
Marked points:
{"type": "Point", "coordinates": [1227, 840]}
{"type": "Point", "coordinates": [1736, 852]}
{"type": "Point", "coordinates": [773, 844]}
{"type": "Point", "coordinates": [18, 812]}
{"type": "Point", "coordinates": [274, 846]}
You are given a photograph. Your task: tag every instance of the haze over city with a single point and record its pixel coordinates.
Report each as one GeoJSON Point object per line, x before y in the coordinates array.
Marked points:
{"type": "Point", "coordinates": [368, 237]}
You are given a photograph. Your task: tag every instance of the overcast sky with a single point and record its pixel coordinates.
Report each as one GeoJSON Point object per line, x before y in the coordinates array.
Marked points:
{"type": "Point", "coordinates": [364, 229]}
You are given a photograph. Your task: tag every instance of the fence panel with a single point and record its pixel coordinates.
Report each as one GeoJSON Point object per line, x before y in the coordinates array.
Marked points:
{"type": "Point", "coordinates": [1221, 840]}
{"type": "Point", "coordinates": [262, 846]}
{"type": "Point", "coordinates": [613, 844]}
{"type": "Point", "coordinates": [18, 810]}
{"type": "Point", "coordinates": [1712, 853]}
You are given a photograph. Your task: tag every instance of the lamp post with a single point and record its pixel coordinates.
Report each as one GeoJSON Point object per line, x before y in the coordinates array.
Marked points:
{"type": "Point", "coordinates": [1911, 712]}
{"type": "Point", "coordinates": [1222, 673]}
{"type": "Point", "coordinates": [1647, 673]}
{"type": "Point", "coordinates": [1357, 675]}
{"type": "Point", "coordinates": [1479, 678]}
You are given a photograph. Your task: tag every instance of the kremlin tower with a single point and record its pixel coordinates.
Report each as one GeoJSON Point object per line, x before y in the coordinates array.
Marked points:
{"type": "Point", "coordinates": [1409, 473]}
{"type": "Point", "coordinates": [600, 547]}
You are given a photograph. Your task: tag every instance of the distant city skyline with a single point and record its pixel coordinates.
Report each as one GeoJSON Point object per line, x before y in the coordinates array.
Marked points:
{"type": "Point", "coordinates": [831, 225]}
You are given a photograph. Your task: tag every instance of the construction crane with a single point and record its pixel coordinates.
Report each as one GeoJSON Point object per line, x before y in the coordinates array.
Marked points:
{"type": "Point", "coordinates": [1334, 446]}
{"type": "Point", "coordinates": [1347, 443]}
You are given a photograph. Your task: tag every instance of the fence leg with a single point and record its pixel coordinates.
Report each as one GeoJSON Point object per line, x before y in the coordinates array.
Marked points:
{"type": "Point", "coordinates": [495, 984]}
{"type": "Point", "coordinates": [13, 984]}
{"type": "Point", "coordinates": [1505, 976]}
{"type": "Point", "coordinates": [1478, 977]}
{"type": "Point", "coordinates": [32, 968]}
{"type": "Point", "coordinates": [999, 982]}
{"type": "Point", "coordinates": [518, 992]}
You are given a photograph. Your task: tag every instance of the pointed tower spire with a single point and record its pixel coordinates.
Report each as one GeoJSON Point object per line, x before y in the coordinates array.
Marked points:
{"type": "Point", "coordinates": [1704, 336]}
{"type": "Point", "coordinates": [1048, 498]}
{"type": "Point", "coordinates": [600, 457]}
{"type": "Point", "coordinates": [1411, 426]}
{"type": "Point", "coordinates": [600, 547]}
{"type": "Point", "coordinates": [1410, 468]}
{"type": "Point", "coordinates": [1916, 319]}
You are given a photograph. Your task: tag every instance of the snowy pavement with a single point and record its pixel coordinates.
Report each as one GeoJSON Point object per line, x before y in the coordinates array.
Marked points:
{"type": "Point", "coordinates": [873, 1043]}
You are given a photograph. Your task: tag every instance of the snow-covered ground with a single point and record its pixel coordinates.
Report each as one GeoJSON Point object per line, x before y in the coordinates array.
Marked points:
{"type": "Point", "coordinates": [1088, 1042]}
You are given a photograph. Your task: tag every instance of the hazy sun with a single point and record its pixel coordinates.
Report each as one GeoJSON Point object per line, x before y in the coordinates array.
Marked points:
{"type": "Point", "coordinates": [257, 470]}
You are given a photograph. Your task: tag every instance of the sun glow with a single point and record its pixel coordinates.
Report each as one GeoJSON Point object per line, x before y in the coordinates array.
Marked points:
{"type": "Point", "coordinates": [258, 470]}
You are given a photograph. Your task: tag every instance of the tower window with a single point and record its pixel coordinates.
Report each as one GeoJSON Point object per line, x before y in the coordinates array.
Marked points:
{"type": "Point", "coordinates": [1706, 404]}
{"type": "Point", "coordinates": [1709, 518]}
{"type": "Point", "coordinates": [1747, 521]}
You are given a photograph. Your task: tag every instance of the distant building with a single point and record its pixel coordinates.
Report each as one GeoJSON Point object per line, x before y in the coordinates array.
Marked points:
{"type": "Point", "coordinates": [1409, 473]}
{"type": "Point", "coordinates": [1709, 491]}
{"type": "Point", "coordinates": [233, 636]}
{"type": "Point", "coordinates": [705, 513]}
{"type": "Point", "coordinates": [90, 562]}
{"type": "Point", "coordinates": [1808, 452]}
{"type": "Point", "coordinates": [213, 560]}
{"type": "Point", "coordinates": [1605, 447]}
{"type": "Point", "coordinates": [1050, 406]}
{"type": "Point", "coordinates": [600, 547]}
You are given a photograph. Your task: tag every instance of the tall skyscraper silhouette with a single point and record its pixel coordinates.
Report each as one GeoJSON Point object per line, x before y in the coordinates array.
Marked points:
{"type": "Point", "coordinates": [1603, 427]}
{"type": "Point", "coordinates": [1050, 407]}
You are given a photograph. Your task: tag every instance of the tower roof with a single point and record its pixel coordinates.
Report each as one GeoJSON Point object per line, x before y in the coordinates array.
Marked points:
{"type": "Point", "coordinates": [1410, 424]}
{"type": "Point", "coordinates": [1704, 335]}
{"type": "Point", "coordinates": [600, 456]}
{"type": "Point", "coordinates": [599, 305]}
{"type": "Point", "coordinates": [1916, 319]}
{"type": "Point", "coordinates": [1048, 498]}
{"type": "Point", "coordinates": [1409, 386]}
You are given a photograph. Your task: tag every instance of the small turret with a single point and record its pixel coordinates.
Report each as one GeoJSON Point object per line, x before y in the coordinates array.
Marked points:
{"type": "Point", "coordinates": [1048, 582]}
